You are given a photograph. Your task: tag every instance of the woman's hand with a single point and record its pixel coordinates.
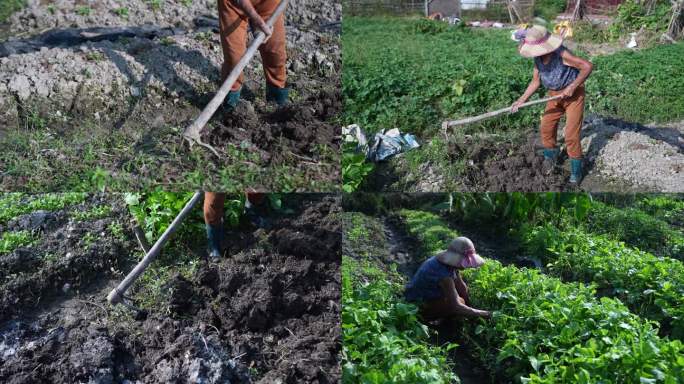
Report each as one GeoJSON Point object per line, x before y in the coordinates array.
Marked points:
{"type": "Point", "coordinates": [259, 22]}
{"type": "Point", "coordinates": [515, 106]}
{"type": "Point", "coordinates": [568, 91]}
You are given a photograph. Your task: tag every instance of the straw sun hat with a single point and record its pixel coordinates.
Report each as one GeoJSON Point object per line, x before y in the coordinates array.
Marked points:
{"type": "Point", "coordinates": [461, 254]}
{"type": "Point", "coordinates": [538, 41]}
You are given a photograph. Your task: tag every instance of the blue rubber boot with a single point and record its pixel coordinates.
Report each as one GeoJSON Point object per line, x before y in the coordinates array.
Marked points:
{"type": "Point", "coordinates": [277, 95]}
{"type": "Point", "coordinates": [214, 238]}
{"type": "Point", "coordinates": [550, 160]}
{"type": "Point", "coordinates": [232, 99]}
{"type": "Point", "coordinates": [575, 171]}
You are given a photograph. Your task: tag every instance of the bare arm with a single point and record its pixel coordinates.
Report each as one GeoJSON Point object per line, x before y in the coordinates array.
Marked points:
{"type": "Point", "coordinates": [458, 307]}
{"type": "Point", "coordinates": [247, 7]}
{"type": "Point", "coordinates": [531, 89]}
{"type": "Point", "coordinates": [585, 67]}
{"type": "Point", "coordinates": [462, 288]}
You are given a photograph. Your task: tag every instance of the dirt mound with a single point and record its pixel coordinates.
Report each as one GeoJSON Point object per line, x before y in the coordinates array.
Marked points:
{"type": "Point", "coordinates": [299, 127]}
{"type": "Point", "coordinates": [642, 158]}
{"type": "Point", "coordinates": [506, 167]}
{"type": "Point", "coordinates": [279, 308]}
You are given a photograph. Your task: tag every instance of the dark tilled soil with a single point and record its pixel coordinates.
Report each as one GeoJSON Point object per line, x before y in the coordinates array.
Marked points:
{"type": "Point", "coordinates": [63, 260]}
{"type": "Point", "coordinates": [297, 128]}
{"type": "Point", "coordinates": [506, 167]}
{"type": "Point", "coordinates": [267, 314]}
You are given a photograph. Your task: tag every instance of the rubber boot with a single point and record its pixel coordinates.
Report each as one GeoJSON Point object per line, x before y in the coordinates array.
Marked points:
{"type": "Point", "coordinates": [232, 99]}
{"type": "Point", "coordinates": [575, 171]}
{"type": "Point", "coordinates": [253, 215]}
{"type": "Point", "coordinates": [214, 238]}
{"type": "Point", "coordinates": [550, 160]}
{"type": "Point", "coordinates": [277, 95]}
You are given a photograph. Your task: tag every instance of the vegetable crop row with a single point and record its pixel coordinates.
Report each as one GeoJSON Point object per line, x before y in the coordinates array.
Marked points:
{"type": "Point", "coordinates": [651, 286]}
{"type": "Point", "coordinates": [548, 331]}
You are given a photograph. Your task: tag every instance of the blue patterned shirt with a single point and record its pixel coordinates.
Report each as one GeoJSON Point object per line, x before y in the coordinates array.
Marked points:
{"type": "Point", "coordinates": [425, 283]}
{"type": "Point", "coordinates": [555, 75]}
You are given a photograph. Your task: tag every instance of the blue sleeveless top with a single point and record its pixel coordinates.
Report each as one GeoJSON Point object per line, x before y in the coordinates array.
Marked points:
{"type": "Point", "coordinates": [555, 75]}
{"type": "Point", "coordinates": [425, 283]}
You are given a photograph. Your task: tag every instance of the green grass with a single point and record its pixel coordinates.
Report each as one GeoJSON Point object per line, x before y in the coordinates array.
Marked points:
{"type": "Point", "coordinates": [15, 204]}
{"type": "Point", "coordinates": [94, 213]}
{"type": "Point", "coordinates": [94, 158]}
{"type": "Point", "coordinates": [429, 229]}
{"type": "Point", "coordinates": [152, 291]}
{"type": "Point", "coordinates": [398, 76]}
{"type": "Point", "coordinates": [669, 208]}
{"type": "Point", "coordinates": [117, 231]}
{"type": "Point", "coordinates": [549, 9]}
{"type": "Point", "coordinates": [83, 10]}
{"type": "Point", "coordinates": [9, 241]}
{"type": "Point", "coordinates": [8, 7]}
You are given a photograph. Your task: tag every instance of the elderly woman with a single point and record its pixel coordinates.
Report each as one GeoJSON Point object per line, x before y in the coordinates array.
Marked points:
{"type": "Point", "coordinates": [564, 74]}
{"type": "Point", "coordinates": [438, 289]}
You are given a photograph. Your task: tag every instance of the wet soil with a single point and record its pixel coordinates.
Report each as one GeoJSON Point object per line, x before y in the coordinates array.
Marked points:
{"type": "Point", "coordinates": [297, 129]}
{"type": "Point", "coordinates": [267, 313]}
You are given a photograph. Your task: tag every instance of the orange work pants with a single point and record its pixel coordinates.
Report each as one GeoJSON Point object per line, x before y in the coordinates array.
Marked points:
{"type": "Point", "coordinates": [213, 207]}
{"type": "Point", "coordinates": [233, 30]}
{"type": "Point", "coordinates": [573, 109]}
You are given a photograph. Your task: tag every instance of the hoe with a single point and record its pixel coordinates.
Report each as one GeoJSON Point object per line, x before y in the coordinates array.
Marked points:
{"type": "Point", "coordinates": [474, 119]}
{"type": "Point", "coordinates": [192, 133]}
{"type": "Point", "coordinates": [117, 295]}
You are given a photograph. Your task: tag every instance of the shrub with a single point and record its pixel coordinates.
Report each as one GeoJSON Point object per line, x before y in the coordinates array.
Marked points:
{"type": "Point", "coordinates": [636, 228]}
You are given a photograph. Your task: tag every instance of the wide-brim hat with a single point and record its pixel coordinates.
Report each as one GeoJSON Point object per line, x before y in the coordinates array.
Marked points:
{"type": "Point", "coordinates": [461, 254]}
{"type": "Point", "coordinates": [538, 42]}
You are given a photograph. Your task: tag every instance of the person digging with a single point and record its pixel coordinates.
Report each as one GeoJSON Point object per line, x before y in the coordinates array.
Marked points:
{"type": "Point", "coordinates": [234, 18]}
{"type": "Point", "coordinates": [438, 288]}
{"type": "Point", "coordinates": [213, 217]}
{"type": "Point", "coordinates": [562, 73]}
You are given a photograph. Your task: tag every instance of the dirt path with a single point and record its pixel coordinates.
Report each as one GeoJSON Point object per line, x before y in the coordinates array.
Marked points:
{"type": "Point", "coordinates": [267, 313]}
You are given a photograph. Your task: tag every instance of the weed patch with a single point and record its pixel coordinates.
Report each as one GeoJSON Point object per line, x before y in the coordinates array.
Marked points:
{"type": "Point", "coordinates": [9, 241]}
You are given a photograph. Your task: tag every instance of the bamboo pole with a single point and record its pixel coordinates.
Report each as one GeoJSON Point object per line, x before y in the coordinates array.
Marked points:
{"type": "Point", "coordinates": [452, 123]}
{"type": "Point", "coordinates": [117, 294]}
{"type": "Point", "coordinates": [192, 133]}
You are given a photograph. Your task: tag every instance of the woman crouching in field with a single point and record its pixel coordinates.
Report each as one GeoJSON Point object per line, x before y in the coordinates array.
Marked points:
{"type": "Point", "coordinates": [562, 73]}
{"type": "Point", "coordinates": [437, 287]}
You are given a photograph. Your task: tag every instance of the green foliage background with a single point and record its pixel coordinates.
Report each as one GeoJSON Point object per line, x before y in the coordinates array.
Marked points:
{"type": "Point", "coordinates": [400, 73]}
